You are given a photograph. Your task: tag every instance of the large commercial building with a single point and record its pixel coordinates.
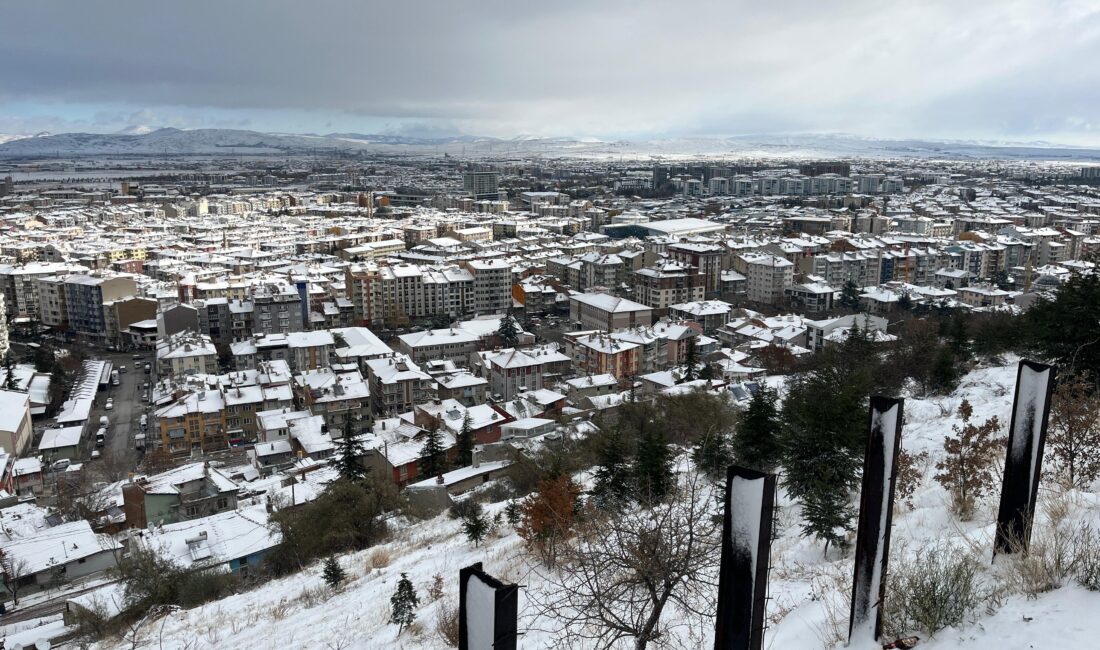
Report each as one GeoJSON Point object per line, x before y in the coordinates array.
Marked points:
{"type": "Point", "coordinates": [482, 185]}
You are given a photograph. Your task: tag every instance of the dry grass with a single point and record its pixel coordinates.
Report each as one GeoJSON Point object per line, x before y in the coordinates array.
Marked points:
{"type": "Point", "coordinates": [280, 610]}
{"type": "Point", "coordinates": [379, 558]}
{"type": "Point", "coordinates": [834, 591]}
{"type": "Point", "coordinates": [446, 623]}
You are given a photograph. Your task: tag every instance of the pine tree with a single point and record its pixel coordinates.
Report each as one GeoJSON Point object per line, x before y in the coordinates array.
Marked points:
{"type": "Point", "coordinates": [707, 372]}
{"type": "Point", "coordinates": [508, 332]}
{"type": "Point", "coordinates": [756, 439]}
{"type": "Point", "coordinates": [849, 296]}
{"type": "Point", "coordinates": [944, 373]}
{"type": "Point", "coordinates": [712, 453]}
{"type": "Point", "coordinates": [403, 604]}
{"type": "Point", "coordinates": [432, 461]}
{"type": "Point", "coordinates": [9, 371]}
{"type": "Point", "coordinates": [511, 513]}
{"type": "Point", "coordinates": [691, 360]}
{"type": "Point", "coordinates": [652, 466]}
{"type": "Point", "coordinates": [333, 574]}
{"type": "Point", "coordinates": [465, 442]}
{"type": "Point", "coordinates": [612, 476]}
{"type": "Point", "coordinates": [349, 449]}
{"type": "Point", "coordinates": [823, 437]}
{"type": "Point", "coordinates": [475, 525]}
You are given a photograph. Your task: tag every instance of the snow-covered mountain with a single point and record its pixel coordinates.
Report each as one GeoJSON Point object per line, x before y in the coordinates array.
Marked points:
{"type": "Point", "coordinates": [141, 140]}
{"type": "Point", "coordinates": [8, 137]}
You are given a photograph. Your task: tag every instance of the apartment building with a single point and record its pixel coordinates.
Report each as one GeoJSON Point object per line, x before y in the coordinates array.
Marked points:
{"type": "Point", "coordinates": [397, 384]}
{"type": "Point", "coordinates": [602, 311]}
{"type": "Point", "coordinates": [707, 258]}
{"type": "Point", "coordinates": [186, 353]}
{"type": "Point", "coordinates": [194, 421]}
{"type": "Point", "coordinates": [85, 297]}
{"type": "Point", "coordinates": [766, 276]}
{"type": "Point", "coordinates": [668, 284]}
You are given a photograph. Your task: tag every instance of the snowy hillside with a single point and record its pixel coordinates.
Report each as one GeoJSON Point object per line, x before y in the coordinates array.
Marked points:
{"type": "Point", "coordinates": [808, 589]}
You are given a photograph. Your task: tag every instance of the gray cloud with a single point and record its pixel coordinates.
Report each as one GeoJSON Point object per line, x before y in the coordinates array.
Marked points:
{"type": "Point", "coordinates": [983, 68]}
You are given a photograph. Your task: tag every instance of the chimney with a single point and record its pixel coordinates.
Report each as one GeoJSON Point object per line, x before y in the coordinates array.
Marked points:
{"type": "Point", "coordinates": [439, 480]}
{"type": "Point", "coordinates": [475, 458]}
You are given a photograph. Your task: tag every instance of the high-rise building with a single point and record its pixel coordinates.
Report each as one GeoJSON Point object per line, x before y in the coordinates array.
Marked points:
{"type": "Point", "coordinates": [482, 185]}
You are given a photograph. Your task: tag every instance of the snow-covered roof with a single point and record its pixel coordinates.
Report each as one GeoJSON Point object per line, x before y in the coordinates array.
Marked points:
{"type": "Point", "coordinates": [212, 540]}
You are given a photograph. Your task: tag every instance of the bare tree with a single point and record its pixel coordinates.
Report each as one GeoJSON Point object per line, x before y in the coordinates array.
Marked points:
{"type": "Point", "coordinates": [15, 571]}
{"type": "Point", "coordinates": [1074, 438]}
{"type": "Point", "coordinates": [622, 571]}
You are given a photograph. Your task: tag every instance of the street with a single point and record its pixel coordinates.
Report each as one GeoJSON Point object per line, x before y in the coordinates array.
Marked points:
{"type": "Point", "coordinates": [125, 416]}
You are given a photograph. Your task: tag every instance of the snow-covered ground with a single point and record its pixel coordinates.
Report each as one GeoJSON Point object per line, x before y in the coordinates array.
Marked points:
{"type": "Point", "coordinates": [806, 586]}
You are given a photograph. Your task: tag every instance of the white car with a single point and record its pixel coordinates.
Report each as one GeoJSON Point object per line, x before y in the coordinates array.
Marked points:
{"type": "Point", "coordinates": [109, 405]}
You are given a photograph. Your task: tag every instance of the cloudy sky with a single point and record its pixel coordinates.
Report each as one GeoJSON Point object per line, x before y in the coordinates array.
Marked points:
{"type": "Point", "coordinates": [966, 69]}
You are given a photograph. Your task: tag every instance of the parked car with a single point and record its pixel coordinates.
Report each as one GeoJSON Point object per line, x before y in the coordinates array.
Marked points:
{"type": "Point", "coordinates": [61, 465]}
{"type": "Point", "coordinates": [104, 421]}
{"type": "Point", "coordinates": [95, 454]}
{"type": "Point", "coordinates": [109, 405]}
{"type": "Point", "coordinates": [122, 368]}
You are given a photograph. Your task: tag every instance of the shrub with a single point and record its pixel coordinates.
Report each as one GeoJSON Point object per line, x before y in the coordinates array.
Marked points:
{"type": "Point", "coordinates": [547, 517]}
{"type": "Point", "coordinates": [379, 558]}
{"type": "Point", "coordinates": [435, 591]}
{"type": "Point", "coordinates": [198, 587]}
{"type": "Point", "coordinates": [347, 516]}
{"type": "Point", "coordinates": [1088, 559]}
{"type": "Point", "coordinates": [939, 587]}
{"type": "Point", "coordinates": [1056, 555]}
{"type": "Point", "coordinates": [495, 492]}
{"type": "Point", "coordinates": [968, 469]}
{"type": "Point", "coordinates": [446, 623]}
{"type": "Point", "coordinates": [463, 508]}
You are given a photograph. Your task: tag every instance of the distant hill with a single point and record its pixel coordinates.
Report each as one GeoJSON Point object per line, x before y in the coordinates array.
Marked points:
{"type": "Point", "coordinates": [170, 141]}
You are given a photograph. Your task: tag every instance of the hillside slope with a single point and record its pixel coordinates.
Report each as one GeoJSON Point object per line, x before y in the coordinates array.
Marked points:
{"type": "Point", "coordinates": [808, 588]}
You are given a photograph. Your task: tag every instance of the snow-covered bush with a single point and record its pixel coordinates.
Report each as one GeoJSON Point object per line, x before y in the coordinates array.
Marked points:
{"type": "Point", "coordinates": [938, 587]}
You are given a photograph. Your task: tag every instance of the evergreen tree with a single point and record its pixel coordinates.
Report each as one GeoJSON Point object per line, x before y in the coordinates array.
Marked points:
{"type": "Point", "coordinates": [958, 336]}
{"type": "Point", "coordinates": [905, 303]}
{"type": "Point", "coordinates": [508, 332]}
{"type": "Point", "coordinates": [849, 296]}
{"type": "Point", "coordinates": [9, 371]}
{"type": "Point", "coordinates": [475, 525]}
{"type": "Point", "coordinates": [756, 440]}
{"type": "Point", "coordinates": [333, 574]}
{"type": "Point", "coordinates": [1064, 329]}
{"type": "Point", "coordinates": [432, 461]}
{"type": "Point", "coordinates": [465, 442]}
{"type": "Point", "coordinates": [691, 360]}
{"type": "Point", "coordinates": [511, 513]}
{"type": "Point", "coordinates": [824, 437]}
{"type": "Point", "coordinates": [712, 453]}
{"type": "Point", "coordinates": [612, 476]}
{"type": "Point", "coordinates": [707, 372]}
{"type": "Point", "coordinates": [403, 604]}
{"type": "Point", "coordinates": [652, 466]}
{"type": "Point", "coordinates": [945, 372]}
{"type": "Point", "coordinates": [349, 449]}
